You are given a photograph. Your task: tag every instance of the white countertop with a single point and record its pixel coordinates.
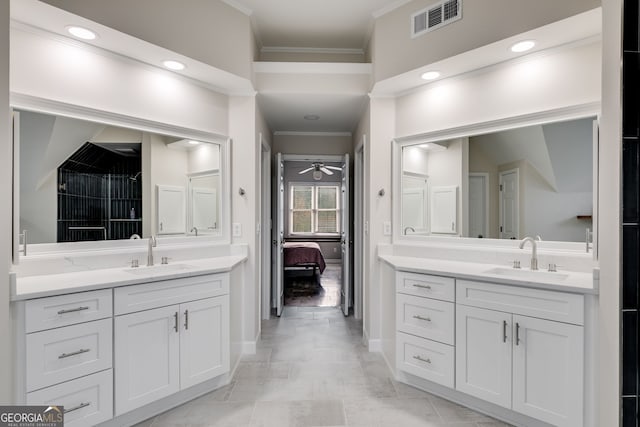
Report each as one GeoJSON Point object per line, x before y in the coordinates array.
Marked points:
{"type": "Point", "coordinates": [565, 281]}
{"type": "Point", "coordinates": [64, 283]}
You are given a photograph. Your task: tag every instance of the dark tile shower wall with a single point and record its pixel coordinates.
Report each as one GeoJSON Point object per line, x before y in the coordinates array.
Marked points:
{"type": "Point", "coordinates": [630, 294]}
{"type": "Point", "coordinates": [98, 206]}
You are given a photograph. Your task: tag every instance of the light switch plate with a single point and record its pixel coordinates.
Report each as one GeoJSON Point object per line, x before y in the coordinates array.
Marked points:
{"type": "Point", "coordinates": [386, 228]}
{"type": "Point", "coordinates": [237, 229]}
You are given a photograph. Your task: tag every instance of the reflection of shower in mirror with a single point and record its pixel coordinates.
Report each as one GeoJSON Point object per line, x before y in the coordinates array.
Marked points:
{"type": "Point", "coordinates": [135, 177]}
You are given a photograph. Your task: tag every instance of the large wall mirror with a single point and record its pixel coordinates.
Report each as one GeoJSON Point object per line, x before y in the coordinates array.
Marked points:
{"type": "Point", "coordinates": [534, 180]}
{"type": "Point", "coordinates": [82, 180]}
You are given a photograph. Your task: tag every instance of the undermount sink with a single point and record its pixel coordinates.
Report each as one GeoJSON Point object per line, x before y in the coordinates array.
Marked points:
{"type": "Point", "coordinates": [156, 269]}
{"type": "Point", "coordinates": [526, 274]}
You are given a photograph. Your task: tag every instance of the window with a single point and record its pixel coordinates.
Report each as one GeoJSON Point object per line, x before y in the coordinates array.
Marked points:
{"type": "Point", "coordinates": [314, 209]}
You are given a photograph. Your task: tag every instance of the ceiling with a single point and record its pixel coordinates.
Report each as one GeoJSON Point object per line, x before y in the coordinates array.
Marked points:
{"type": "Point", "coordinates": [314, 24]}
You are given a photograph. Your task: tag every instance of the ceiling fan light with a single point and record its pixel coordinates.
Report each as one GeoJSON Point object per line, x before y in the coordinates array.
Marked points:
{"type": "Point", "coordinates": [317, 175]}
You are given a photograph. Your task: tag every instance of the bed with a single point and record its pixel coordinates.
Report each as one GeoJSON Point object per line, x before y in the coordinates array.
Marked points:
{"type": "Point", "coordinates": [303, 255]}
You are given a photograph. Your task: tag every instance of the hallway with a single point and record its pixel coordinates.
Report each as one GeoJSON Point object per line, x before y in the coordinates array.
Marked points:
{"type": "Point", "coordinates": [310, 369]}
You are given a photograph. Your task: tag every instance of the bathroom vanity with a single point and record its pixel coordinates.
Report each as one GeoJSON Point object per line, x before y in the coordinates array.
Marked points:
{"type": "Point", "coordinates": [117, 345]}
{"type": "Point", "coordinates": [513, 343]}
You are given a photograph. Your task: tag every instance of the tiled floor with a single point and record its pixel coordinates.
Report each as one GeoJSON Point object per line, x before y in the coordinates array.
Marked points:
{"type": "Point", "coordinates": [312, 370]}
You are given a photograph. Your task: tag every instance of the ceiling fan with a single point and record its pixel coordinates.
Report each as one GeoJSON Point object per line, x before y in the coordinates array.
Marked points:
{"type": "Point", "coordinates": [318, 169]}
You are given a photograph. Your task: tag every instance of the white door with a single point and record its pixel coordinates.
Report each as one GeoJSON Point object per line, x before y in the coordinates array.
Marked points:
{"type": "Point", "coordinates": [444, 209]}
{"type": "Point", "coordinates": [478, 205]}
{"type": "Point", "coordinates": [278, 236]}
{"type": "Point", "coordinates": [483, 354]}
{"type": "Point", "coordinates": [171, 210]}
{"type": "Point", "coordinates": [414, 204]}
{"type": "Point", "coordinates": [204, 208]}
{"type": "Point", "coordinates": [346, 236]}
{"type": "Point", "coordinates": [146, 357]}
{"type": "Point", "coordinates": [548, 370]}
{"type": "Point", "coordinates": [204, 338]}
{"type": "Point", "coordinates": [509, 205]}
{"type": "Point", "coordinates": [16, 189]}
{"type": "Point", "coordinates": [358, 228]}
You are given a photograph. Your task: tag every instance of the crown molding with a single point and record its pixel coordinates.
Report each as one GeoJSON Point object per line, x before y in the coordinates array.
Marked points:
{"type": "Point", "coordinates": [317, 50]}
{"type": "Point", "coordinates": [239, 7]}
{"type": "Point", "coordinates": [296, 133]}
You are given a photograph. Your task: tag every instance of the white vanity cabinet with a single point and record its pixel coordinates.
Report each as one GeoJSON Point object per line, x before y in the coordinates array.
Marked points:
{"type": "Point", "coordinates": [66, 341]}
{"type": "Point", "coordinates": [169, 336]}
{"type": "Point", "coordinates": [425, 326]}
{"type": "Point", "coordinates": [520, 348]}
{"type": "Point", "coordinates": [504, 355]}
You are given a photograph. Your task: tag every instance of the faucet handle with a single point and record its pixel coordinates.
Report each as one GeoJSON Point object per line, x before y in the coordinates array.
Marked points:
{"type": "Point", "coordinates": [165, 260]}
{"type": "Point", "coordinates": [516, 263]}
{"type": "Point", "coordinates": [135, 263]}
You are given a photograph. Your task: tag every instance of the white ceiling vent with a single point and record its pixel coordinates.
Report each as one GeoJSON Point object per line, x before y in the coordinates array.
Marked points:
{"type": "Point", "coordinates": [435, 17]}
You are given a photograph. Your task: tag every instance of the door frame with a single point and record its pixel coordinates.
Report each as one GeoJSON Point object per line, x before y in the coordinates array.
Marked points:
{"type": "Point", "coordinates": [485, 176]}
{"type": "Point", "coordinates": [265, 228]}
{"type": "Point", "coordinates": [358, 227]}
{"type": "Point", "coordinates": [500, 201]}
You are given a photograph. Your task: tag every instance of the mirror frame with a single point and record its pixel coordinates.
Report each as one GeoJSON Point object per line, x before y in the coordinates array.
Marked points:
{"type": "Point", "coordinates": [574, 112]}
{"type": "Point", "coordinates": [47, 106]}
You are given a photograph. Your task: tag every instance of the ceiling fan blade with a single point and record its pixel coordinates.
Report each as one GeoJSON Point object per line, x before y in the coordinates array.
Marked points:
{"type": "Point", "coordinates": [335, 168]}
{"type": "Point", "coordinates": [325, 170]}
{"type": "Point", "coordinates": [305, 171]}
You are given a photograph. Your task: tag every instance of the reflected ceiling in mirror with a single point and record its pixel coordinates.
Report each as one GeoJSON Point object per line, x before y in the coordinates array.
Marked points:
{"type": "Point", "coordinates": [534, 180]}
{"type": "Point", "coordinates": [82, 180]}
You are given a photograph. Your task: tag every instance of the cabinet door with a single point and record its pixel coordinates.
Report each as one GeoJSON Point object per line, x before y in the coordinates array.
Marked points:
{"type": "Point", "coordinates": [204, 340]}
{"type": "Point", "coordinates": [171, 210]}
{"type": "Point", "coordinates": [147, 348]}
{"type": "Point", "coordinates": [548, 371]}
{"type": "Point", "coordinates": [483, 354]}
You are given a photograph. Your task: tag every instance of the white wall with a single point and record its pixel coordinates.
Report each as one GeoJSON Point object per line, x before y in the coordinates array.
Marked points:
{"type": "Point", "coordinates": [483, 22]}
{"type": "Point", "coordinates": [245, 161]}
{"type": "Point", "coordinates": [204, 158]}
{"type": "Point", "coordinates": [542, 83]}
{"type": "Point", "coordinates": [415, 160]}
{"type": "Point", "coordinates": [59, 71]}
{"type": "Point", "coordinates": [307, 143]}
{"type": "Point", "coordinates": [609, 217]}
{"type": "Point", "coordinates": [162, 22]}
{"type": "Point", "coordinates": [7, 348]}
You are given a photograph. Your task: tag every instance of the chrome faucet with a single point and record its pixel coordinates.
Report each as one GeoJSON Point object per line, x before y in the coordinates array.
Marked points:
{"type": "Point", "coordinates": [152, 244]}
{"type": "Point", "coordinates": [534, 251]}
{"type": "Point", "coordinates": [413, 230]}
{"type": "Point", "coordinates": [196, 230]}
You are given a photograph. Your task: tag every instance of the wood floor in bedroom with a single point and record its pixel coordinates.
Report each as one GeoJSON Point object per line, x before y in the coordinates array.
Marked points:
{"type": "Point", "coordinates": [311, 369]}
{"type": "Point", "coordinates": [304, 289]}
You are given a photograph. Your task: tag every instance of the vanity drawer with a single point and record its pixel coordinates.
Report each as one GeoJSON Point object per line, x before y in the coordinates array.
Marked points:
{"type": "Point", "coordinates": [87, 401]}
{"type": "Point", "coordinates": [66, 353]}
{"type": "Point", "coordinates": [426, 285]}
{"type": "Point", "coordinates": [64, 310]}
{"type": "Point", "coordinates": [129, 299]}
{"type": "Point", "coordinates": [426, 318]}
{"type": "Point", "coordinates": [544, 304]}
{"type": "Point", "coordinates": [426, 359]}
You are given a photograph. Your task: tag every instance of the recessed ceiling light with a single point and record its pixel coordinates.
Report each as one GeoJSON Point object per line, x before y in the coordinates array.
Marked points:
{"type": "Point", "coordinates": [81, 33]}
{"type": "Point", "coordinates": [423, 145]}
{"type": "Point", "coordinates": [523, 46]}
{"type": "Point", "coordinates": [430, 75]}
{"type": "Point", "coordinates": [192, 142]}
{"type": "Point", "coordinates": [311, 117]}
{"type": "Point", "coordinates": [174, 65]}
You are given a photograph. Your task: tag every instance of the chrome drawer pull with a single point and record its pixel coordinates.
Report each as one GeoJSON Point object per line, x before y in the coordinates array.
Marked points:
{"type": "Point", "coordinates": [75, 353]}
{"type": "Point", "coordinates": [426, 319]}
{"type": "Point", "coordinates": [186, 319]}
{"type": "Point", "coordinates": [417, 357]}
{"type": "Point", "coordinates": [73, 310]}
{"type": "Point", "coordinates": [417, 285]}
{"type": "Point", "coordinates": [75, 408]}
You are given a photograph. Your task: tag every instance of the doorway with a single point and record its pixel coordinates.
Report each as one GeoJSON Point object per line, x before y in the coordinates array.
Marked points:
{"type": "Point", "coordinates": [478, 205]}
{"type": "Point", "coordinates": [509, 204]}
{"type": "Point", "coordinates": [311, 242]}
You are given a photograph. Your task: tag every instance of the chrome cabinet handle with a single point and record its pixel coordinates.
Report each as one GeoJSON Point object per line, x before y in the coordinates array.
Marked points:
{"type": "Point", "coordinates": [417, 285]}
{"type": "Point", "coordinates": [75, 408]}
{"type": "Point", "coordinates": [426, 319]}
{"type": "Point", "coordinates": [420, 358]}
{"type": "Point", "coordinates": [517, 333]}
{"type": "Point", "coordinates": [73, 310]}
{"type": "Point", "coordinates": [75, 353]}
{"type": "Point", "coordinates": [186, 319]}
{"type": "Point", "coordinates": [175, 324]}
{"type": "Point", "coordinates": [504, 331]}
